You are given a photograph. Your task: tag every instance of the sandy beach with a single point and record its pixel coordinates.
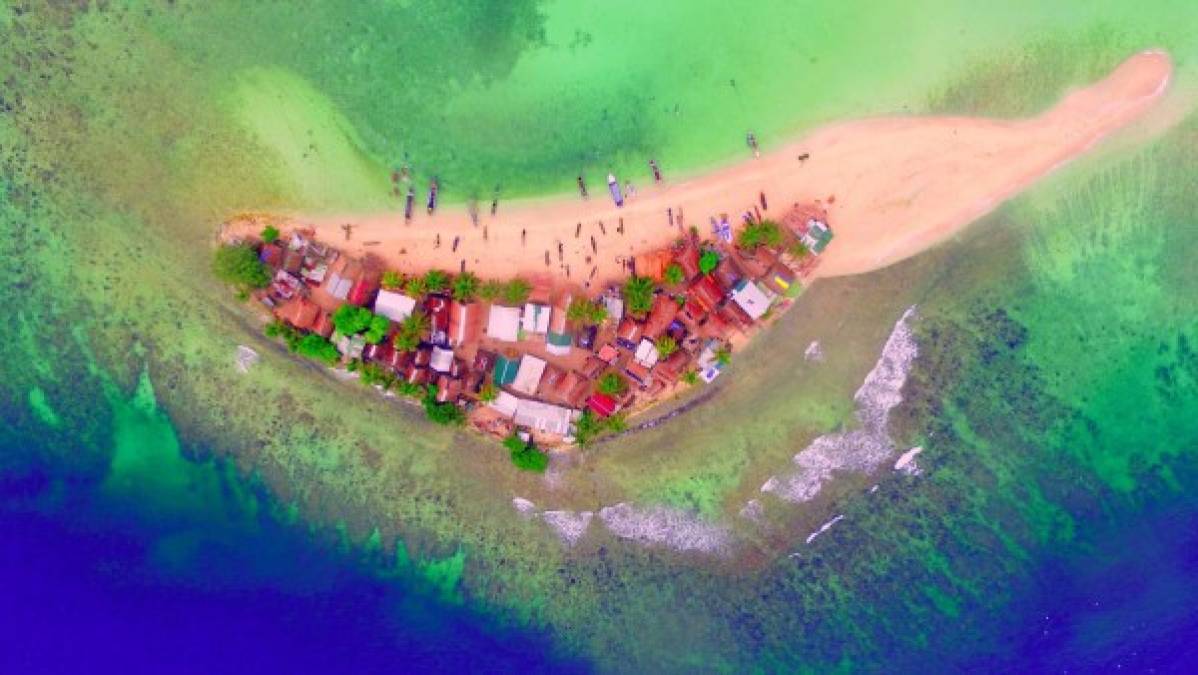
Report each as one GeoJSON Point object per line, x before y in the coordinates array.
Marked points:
{"type": "Point", "coordinates": [893, 187]}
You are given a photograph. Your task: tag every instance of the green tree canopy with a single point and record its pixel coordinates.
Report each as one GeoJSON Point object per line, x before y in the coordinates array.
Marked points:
{"type": "Point", "coordinates": [435, 281]}
{"type": "Point", "coordinates": [465, 287]}
{"type": "Point", "coordinates": [411, 331]}
{"type": "Point", "coordinates": [763, 233]}
{"type": "Point", "coordinates": [674, 274]}
{"type": "Point", "coordinates": [666, 346]}
{"type": "Point", "coordinates": [351, 319]}
{"type": "Point", "coordinates": [516, 291]}
{"type": "Point", "coordinates": [316, 347]}
{"type": "Point", "coordinates": [270, 234]}
{"type": "Point", "coordinates": [638, 293]}
{"type": "Point", "coordinates": [708, 261]}
{"type": "Point", "coordinates": [490, 290]}
{"type": "Point", "coordinates": [415, 287]}
{"type": "Point", "coordinates": [589, 312]}
{"type": "Point", "coordinates": [377, 330]}
{"type": "Point", "coordinates": [442, 413]}
{"type": "Point", "coordinates": [525, 456]}
{"type": "Point", "coordinates": [392, 280]}
{"type": "Point", "coordinates": [612, 384]}
{"type": "Point", "coordinates": [238, 264]}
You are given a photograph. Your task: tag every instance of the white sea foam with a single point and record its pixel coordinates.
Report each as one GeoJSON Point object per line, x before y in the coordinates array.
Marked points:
{"type": "Point", "coordinates": [823, 528]}
{"type": "Point", "coordinates": [814, 352]}
{"type": "Point", "coordinates": [906, 463]}
{"type": "Point", "coordinates": [674, 528]}
{"type": "Point", "coordinates": [864, 449]}
{"type": "Point", "coordinates": [569, 525]}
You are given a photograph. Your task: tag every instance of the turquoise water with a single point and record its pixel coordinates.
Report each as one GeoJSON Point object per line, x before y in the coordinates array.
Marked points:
{"type": "Point", "coordinates": [144, 477]}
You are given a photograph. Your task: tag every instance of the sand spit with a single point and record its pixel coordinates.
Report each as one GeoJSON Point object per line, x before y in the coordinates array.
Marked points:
{"type": "Point", "coordinates": [893, 187]}
{"type": "Point", "coordinates": [862, 449]}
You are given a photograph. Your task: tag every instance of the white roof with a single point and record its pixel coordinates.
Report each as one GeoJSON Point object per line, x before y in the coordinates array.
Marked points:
{"type": "Point", "coordinates": [545, 417]}
{"type": "Point", "coordinates": [505, 404]}
{"type": "Point", "coordinates": [615, 307]}
{"type": "Point", "coordinates": [529, 375]}
{"type": "Point", "coordinates": [504, 323]}
{"type": "Point", "coordinates": [646, 353]}
{"type": "Point", "coordinates": [394, 306]}
{"type": "Point", "coordinates": [536, 318]}
{"type": "Point", "coordinates": [751, 298]}
{"type": "Point", "coordinates": [442, 360]}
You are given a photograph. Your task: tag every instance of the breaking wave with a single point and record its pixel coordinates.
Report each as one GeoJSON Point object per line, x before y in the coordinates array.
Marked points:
{"type": "Point", "coordinates": [674, 528]}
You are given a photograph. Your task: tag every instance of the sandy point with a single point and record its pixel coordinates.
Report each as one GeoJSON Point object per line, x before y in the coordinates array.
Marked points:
{"type": "Point", "coordinates": [893, 187]}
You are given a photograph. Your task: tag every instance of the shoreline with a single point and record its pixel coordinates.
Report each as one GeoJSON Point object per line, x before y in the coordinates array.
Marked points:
{"type": "Point", "coordinates": [894, 186]}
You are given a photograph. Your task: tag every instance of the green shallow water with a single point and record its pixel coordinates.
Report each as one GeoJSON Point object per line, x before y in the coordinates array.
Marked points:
{"type": "Point", "coordinates": [1053, 394]}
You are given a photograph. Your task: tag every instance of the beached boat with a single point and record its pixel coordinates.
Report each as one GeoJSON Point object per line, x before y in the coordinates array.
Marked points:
{"type": "Point", "coordinates": [614, 186]}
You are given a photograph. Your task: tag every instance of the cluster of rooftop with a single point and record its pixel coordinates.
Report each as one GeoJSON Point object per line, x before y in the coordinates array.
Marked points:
{"type": "Point", "coordinates": [538, 357]}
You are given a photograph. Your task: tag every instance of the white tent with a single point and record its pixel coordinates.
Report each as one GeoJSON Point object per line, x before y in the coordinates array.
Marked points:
{"type": "Point", "coordinates": [505, 404]}
{"type": "Point", "coordinates": [504, 323]}
{"type": "Point", "coordinates": [536, 318]}
{"type": "Point", "coordinates": [528, 377]}
{"type": "Point", "coordinates": [394, 306]}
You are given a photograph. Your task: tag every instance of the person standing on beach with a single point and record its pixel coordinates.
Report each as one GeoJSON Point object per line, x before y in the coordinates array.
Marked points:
{"type": "Point", "coordinates": [656, 170]}
{"type": "Point", "coordinates": [763, 204]}
{"type": "Point", "coordinates": [582, 186]}
{"type": "Point", "coordinates": [523, 236]}
{"type": "Point", "coordinates": [751, 140]}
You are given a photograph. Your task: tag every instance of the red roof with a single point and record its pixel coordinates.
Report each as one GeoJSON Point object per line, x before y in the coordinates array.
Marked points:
{"type": "Point", "coordinates": [665, 308]}
{"type": "Point", "coordinates": [362, 292]}
{"type": "Point", "coordinates": [324, 325]}
{"type": "Point", "coordinates": [299, 312]}
{"type": "Point", "coordinates": [688, 260]}
{"type": "Point", "coordinates": [706, 293]}
{"type": "Point", "coordinates": [601, 404]}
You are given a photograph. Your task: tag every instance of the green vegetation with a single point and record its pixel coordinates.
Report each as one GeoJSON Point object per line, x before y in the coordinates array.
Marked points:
{"type": "Point", "coordinates": [442, 413]}
{"type": "Point", "coordinates": [666, 346]}
{"type": "Point", "coordinates": [411, 332]}
{"type": "Point", "coordinates": [435, 281]}
{"type": "Point", "coordinates": [392, 280]}
{"type": "Point", "coordinates": [270, 234]}
{"type": "Point", "coordinates": [516, 291]}
{"type": "Point", "coordinates": [372, 374]}
{"type": "Point", "coordinates": [798, 250]}
{"type": "Point", "coordinates": [488, 392]}
{"type": "Point", "coordinates": [351, 320]}
{"type": "Point", "coordinates": [638, 293]}
{"type": "Point", "coordinates": [465, 287]}
{"type": "Point", "coordinates": [708, 260]}
{"type": "Point", "coordinates": [317, 348]}
{"type": "Point", "coordinates": [691, 377]}
{"type": "Point", "coordinates": [612, 384]}
{"type": "Point", "coordinates": [490, 290]}
{"type": "Point", "coordinates": [723, 356]}
{"type": "Point", "coordinates": [238, 264]}
{"type": "Point", "coordinates": [674, 274]}
{"type": "Point", "coordinates": [525, 456]}
{"type": "Point", "coordinates": [590, 426]}
{"type": "Point", "coordinates": [587, 312]}
{"type": "Point", "coordinates": [764, 233]}
{"type": "Point", "coordinates": [415, 287]}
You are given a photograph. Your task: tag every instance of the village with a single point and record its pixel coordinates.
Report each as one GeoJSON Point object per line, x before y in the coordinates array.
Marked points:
{"type": "Point", "coordinates": [539, 359]}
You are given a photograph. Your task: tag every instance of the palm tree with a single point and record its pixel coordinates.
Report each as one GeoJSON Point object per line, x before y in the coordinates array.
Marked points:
{"type": "Point", "coordinates": [465, 287]}
{"type": "Point", "coordinates": [516, 291]}
{"type": "Point", "coordinates": [391, 280]}
{"type": "Point", "coordinates": [436, 281]}
{"type": "Point", "coordinates": [638, 293]}
{"type": "Point", "coordinates": [489, 290]}
{"type": "Point", "coordinates": [666, 346]}
{"type": "Point", "coordinates": [587, 312]}
{"type": "Point", "coordinates": [612, 384]}
{"type": "Point", "coordinates": [411, 331]}
{"type": "Point", "coordinates": [416, 287]}
{"type": "Point", "coordinates": [674, 274]}
{"type": "Point", "coordinates": [708, 261]}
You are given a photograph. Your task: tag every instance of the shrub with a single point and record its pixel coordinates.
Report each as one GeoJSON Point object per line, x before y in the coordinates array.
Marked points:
{"type": "Point", "coordinates": [690, 377]}
{"type": "Point", "coordinates": [270, 234]}
{"type": "Point", "coordinates": [516, 291]}
{"type": "Point", "coordinates": [488, 393]}
{"type": "Point", "coordinates": [490, 290]}
{"type": "Point", "coordinates": [372, 374]}
{"type": "Point", "coordinates": [415, 287]}
{"type": "Point", "coordinates": [435, 281]}
{"type": "Point", "coordinates": [465, 287]}
{"type": "Point", "coordinates": [442, 413]}
{"type": "Point", "coordinates": [588, 427]}
{"type": "Point", "coordinates": [587, 312]}
{"type": "Point", "coordinates": [377, 330]}
{"type": "Point", "coordinates": [612, 384]}
{"type": "Point", "coordinates": [799, 250]}
{"type": "Point", "coordinates": [525, 456]}
{"type": "Point", "coordinates": [638, 293]}
{"type": "Point", "coordinates": [723, 356]}
{"type": "Point", "coordinates": [674, 274]}
{"type": "Point", "coordinates": [316, 347]}
{"type": "Point", "coordinates": [708, 261]}
{"type": "Point", "coordinates": [666, 346]}
{"type": "Point", "coordinates": [764, 233]}
{"type": "Point", "coordinates": [351, 320]}
{"type": "Point", "coordinates": [238, 264]}
{"type": "Point", "coordinates": [392, 280]}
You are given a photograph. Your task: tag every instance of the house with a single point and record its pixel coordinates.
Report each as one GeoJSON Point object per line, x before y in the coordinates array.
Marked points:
{"type": "Point", "coordinates": [284, 285]}
{"type": "Point", "coordinates": [271, 255]}
{"type": "Point", "coordinates": [505, 404]}
{"type": "Point", "coordinates": [709, 366]}
{"type": "Point", "coordinates": [549, 380]}
{"type": "Point", "coordinates": [362, 292]}
{"type": "Point", "coordinates": [423, 356]}
{"type": "Point", "coordinates": [585, 339]}
{"type": "Point", "coordinates": [566, 385]}
{"type": "Point", "coordinates": [506, 369]}
{"type": "Point", "coordinates": [638, 373]}
{"type": "Point", "coordinates": [437, 308]}
{"type": "Point", "coordinates": [687, 257]}
{"type": "Point", "coordinates": [528, 376]}
{"type": "Point", "coordinates": [380, 353]}
{"type": "Point", "coordinates": [535, 319]}
{"type": "Point", "coordinates": [293, 261]}
{"type": "Point", "coordinates": [558, 340]}
{"type": "Point", "coordinates": [482, 365]}
{"type": "Point", "coordinates": [628, 332]}
{"type": "Point", "coordinates": [608, 353]}
{"type": "Point", "coordinates": [602, 405]}
{"type": "Point", "coordinates": [441, 360]}
{"type": "Point", "coordinates": [544, 417]}
{"type": "Point", "coordinates": [448, 389]}
{"type": "Point", "coordinates": [735, 316]}
{"type": "Point", "coordinates": [339, 283]}
{"type": "Point", "coordinates": [394, 306]}
{"type": "Point", "coordinates": [665, 308]}
{"type": "Point", "coordinates": [652, 264]}
{"type": "Point", "coordinates": [579, 389]}
{"type": "Point", "coordinates": [668, 371]}
{"type": "Point", "coordinates": [503, 323]}
{"type": "Point", "coordinates": [614, 302]}
{"type": "Point", "coordinates": [300, 312]}
{"type": "Point", "coordinates": [781, 281]}
{"type": "Point", "coordinates": [399, 361]}
{"type": "Point", "coordinates": [716, 327]}
{"type": "Point", "coordinates": [464, 325]}
{"type": "Point", "coordinates": [417, 375]}
{"type": "Point", "coordinates": [728, 272]}
{"type": "Point", "coordinates": [816, 236]}
{"type": "Point", "coordinates": [751, 298]}
{"type": "Point", "coordinates": [593, 367]}
{"type": "Point", "coordinates": [646, 353]}
{"type": "Point", "coordinates": [703, 296]}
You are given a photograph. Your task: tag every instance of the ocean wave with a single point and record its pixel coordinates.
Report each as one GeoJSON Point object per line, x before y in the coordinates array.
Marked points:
{"type": "Point", "coordinates": [864, 449]}
{"type": "Point", "coordinates": [568, 525]}
{"type": "Point", "coordinates": [660, 525]}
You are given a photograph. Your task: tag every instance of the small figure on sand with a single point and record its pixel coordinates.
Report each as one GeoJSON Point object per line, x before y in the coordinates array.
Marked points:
{"type": "Point", "coordinates": [656, 170]}
{"type": "Point", "coordinates": [409, 203]}
{"type": "Point", "coordinates": [546, 258]}
{"type": "Point", "coordinates": [577, 230]}
{"type": "Point", "coordinates": [602, 228]}
{"type": "Point", "coordinates": [582, 187]}
{"type": "Point", "coordinates": [437, 244]}
{"type": "Point", "coordinates": [751, 140]}
{"type": "Point", "coordinates": [455, 243]}
{"type": "Point", "coordinates": [613, 186]}
{"type": "Point", "coordinates": [629, 189]}
{"type": "Point", "coordinates": [764, 207]}
{"type": "Point", "coordinates": [670, 215]}
{"type": "Point", "coordinates": [561, 251]}
{"type": "Point", "coordinates": [523, 236]}
{"type": "Point", "coordinates": [472, 210]}
{"type": "Point", "coordinates": [620, 227]}
{"type": "Point", "coordinates": [432, 196]}
{"type": "Point", "coordinates": [594, 244]}
{"type": "Point", "coordinates": [495, 201]}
